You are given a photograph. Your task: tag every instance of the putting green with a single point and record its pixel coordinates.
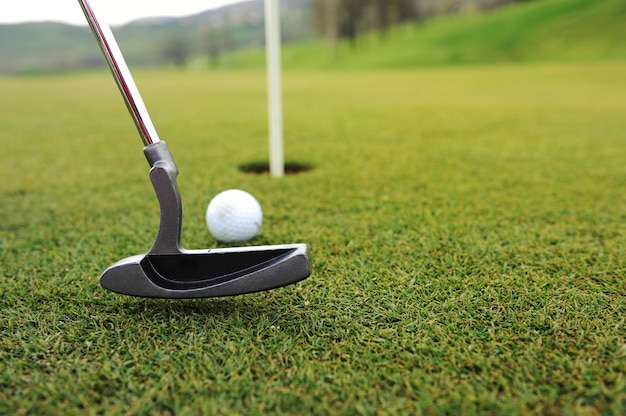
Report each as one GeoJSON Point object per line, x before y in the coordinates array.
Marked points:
{"type": "Point", "coordinates": [467, 226]}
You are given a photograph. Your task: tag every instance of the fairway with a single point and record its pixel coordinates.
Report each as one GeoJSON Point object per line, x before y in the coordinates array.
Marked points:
{"type": "Point", "coordinates": [467, 228]}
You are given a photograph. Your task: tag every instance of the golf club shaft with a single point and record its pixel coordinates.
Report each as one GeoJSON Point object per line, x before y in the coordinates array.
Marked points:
{"type": "Point", "coordinates": [122, 74]}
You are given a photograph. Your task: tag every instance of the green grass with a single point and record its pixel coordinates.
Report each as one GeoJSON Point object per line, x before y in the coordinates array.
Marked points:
{"type": "Point", "coordinates": [555, 30]}
{"type": "Point", "coordinates": [467, 226]}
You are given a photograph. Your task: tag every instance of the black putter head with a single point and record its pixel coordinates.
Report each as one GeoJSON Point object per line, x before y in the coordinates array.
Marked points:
{"type": "Point", "coordinates": [170, 271]}
{"type": "Point", "coordinates": [208, 273]}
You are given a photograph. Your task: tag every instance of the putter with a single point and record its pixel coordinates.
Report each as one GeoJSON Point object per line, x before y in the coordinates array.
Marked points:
{"type": "Point", "coordinates": [168, 270]}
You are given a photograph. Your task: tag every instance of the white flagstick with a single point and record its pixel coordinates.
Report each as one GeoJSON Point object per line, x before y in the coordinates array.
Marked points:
{"type": "Point", "coordinates": [272, 45]}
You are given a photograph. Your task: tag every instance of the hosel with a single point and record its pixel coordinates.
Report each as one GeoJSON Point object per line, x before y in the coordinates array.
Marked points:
{"type": "Point", "coordinates": [163, 176]}
{"type": "Point", "coordinates": [158, 154]}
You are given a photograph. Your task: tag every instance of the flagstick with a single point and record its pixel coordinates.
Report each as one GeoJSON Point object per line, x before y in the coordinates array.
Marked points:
{"type": "Point", "coordinates": [272, 40]}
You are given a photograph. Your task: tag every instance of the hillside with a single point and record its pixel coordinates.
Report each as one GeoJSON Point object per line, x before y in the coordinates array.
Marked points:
{"type": "Point", "coordinates": [45, 46]}
{"type": "Point", "coordinates": [49, 46]}
{"type": "Point", "coordinates": [232, 37]}
{"type": "Point", "coordinates": [527, 31]}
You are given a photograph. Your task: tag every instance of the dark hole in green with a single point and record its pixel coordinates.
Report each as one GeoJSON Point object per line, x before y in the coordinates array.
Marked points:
{"type": "Point", "coordinates": [260, 168]}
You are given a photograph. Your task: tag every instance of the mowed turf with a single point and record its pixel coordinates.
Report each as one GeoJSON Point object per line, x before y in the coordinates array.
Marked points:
{"type": "Point", "coordinates": [467, 228]}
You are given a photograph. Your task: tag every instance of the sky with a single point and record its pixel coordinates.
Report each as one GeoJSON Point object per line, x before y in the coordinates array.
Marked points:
{"type": "Point", "coordinates": [116, 12]}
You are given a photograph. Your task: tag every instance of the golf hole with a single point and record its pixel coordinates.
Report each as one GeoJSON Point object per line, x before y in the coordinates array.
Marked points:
{"type": "Point", "coordinates": [260, 168]}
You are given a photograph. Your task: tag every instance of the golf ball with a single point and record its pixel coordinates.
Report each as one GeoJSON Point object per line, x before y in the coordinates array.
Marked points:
{"type": "Point", "coordinates": [234, 215]}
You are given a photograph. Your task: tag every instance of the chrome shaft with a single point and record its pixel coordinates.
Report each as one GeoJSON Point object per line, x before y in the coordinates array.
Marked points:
{"type": "Point", "coordinates": [122, 74]}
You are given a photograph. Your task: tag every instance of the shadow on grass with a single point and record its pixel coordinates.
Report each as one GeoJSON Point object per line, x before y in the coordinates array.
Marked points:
{"type": "Point", "coordinates": [168, 308]}
{"type": "Point", "coordinates": [236, 309]}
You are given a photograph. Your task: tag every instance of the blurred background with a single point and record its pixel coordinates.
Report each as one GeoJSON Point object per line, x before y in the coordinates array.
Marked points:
{"type": "Point", "coordinates": [320, 34]}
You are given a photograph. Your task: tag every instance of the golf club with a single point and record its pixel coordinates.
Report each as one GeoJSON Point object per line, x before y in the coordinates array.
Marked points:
{"type": "Point", "coordinates": [168, 270]}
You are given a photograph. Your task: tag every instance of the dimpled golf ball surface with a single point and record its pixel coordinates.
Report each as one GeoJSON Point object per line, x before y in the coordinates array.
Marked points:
{"type": "Point", "coordinates": [234, 215]}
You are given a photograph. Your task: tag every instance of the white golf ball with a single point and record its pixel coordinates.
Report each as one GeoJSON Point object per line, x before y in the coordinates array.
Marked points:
{"type": "Point", "coordinates": [234, 215]}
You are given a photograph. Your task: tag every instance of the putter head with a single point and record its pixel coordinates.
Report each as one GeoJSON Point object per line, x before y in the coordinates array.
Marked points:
{"type": "Point", "coordinates": [170, 271]}
{"type": "Point", "coordinates": [208, 273]}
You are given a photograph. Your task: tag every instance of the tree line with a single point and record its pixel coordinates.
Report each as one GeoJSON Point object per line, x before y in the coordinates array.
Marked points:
{"type": "Point", "coordinates": [338, 20]}
{"type": "Point", "coordinates": [334, 20]}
